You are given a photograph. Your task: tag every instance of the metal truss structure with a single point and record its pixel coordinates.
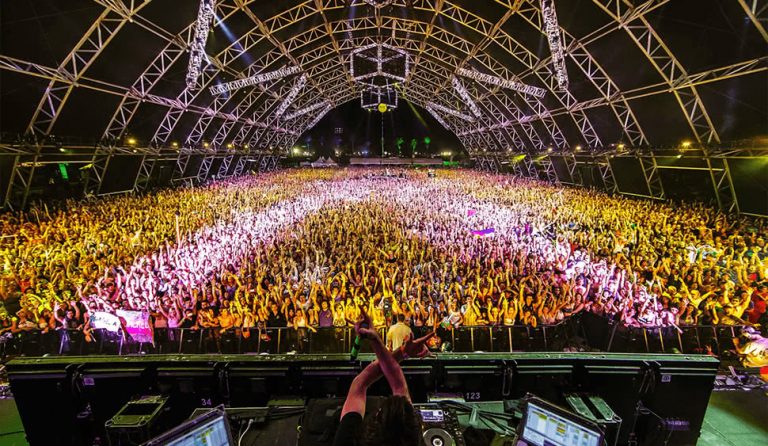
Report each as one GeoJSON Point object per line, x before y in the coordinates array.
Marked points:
{"type": "Point", "coordinates": [253, 80]}
{"type": "Point", "coordinates": [379, 59]}
{"type": "Point", "coordinates": [552, 29]}
{"type": "Point", "coordinates": [651, 163]}
{"type": "Point", "coordinates": [197, 46]}
{"type": "Point", "coordinates": [372, 97]}
{"type": "Point", "coordinates": [188, 166]}
{"type": "Point", "coordinates": [318, 39]}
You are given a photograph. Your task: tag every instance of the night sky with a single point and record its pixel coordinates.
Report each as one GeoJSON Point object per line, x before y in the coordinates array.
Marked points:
{"type": "Point", "coordinates": [362, 130]}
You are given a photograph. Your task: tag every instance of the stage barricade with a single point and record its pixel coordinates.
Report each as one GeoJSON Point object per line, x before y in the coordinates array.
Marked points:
{"type": "Point", "coordinates": [688, 339]}
{"type": "Point", "coordinates": [583, 332]}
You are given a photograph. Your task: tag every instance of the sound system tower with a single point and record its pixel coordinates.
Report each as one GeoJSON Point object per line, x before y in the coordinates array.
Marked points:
{"type": "Point", "coordinates": [81, 394]}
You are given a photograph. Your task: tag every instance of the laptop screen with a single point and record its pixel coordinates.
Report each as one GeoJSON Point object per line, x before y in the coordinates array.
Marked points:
{"type": "Point", "coordinates": [546, 427]}
{"type": "Point", "coordinates": [211, 429]}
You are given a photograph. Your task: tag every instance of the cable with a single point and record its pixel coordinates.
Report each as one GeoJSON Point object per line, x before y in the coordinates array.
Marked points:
{"type": "Point", "coordinates": [275, 414]}
{"type": "Point", "coordinates": [496, 426]}
{"type": "Point", "coordinates": [11, 433]}
{"type": "Point", "coordinates": [467, 408]}
{"type": "Point", "coordinates": [490, 419]}
{"type": "Point", "coordinates": [240, 440]}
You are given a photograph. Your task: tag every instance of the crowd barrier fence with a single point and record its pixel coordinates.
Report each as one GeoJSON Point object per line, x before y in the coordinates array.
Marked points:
{"type": "Point", "coordinates": [585, 332]}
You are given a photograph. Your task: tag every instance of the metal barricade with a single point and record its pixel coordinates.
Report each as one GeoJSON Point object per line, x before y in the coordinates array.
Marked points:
{"type": "Point", "coordinates": [273, 340]}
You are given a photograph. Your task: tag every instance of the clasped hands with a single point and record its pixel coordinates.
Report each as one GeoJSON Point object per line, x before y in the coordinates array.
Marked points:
{"type": "Point", "coordinates": [411, 348]}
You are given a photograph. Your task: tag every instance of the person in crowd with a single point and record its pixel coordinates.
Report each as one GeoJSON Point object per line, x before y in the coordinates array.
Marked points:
{"type": "Point", "coordinates": [398, 333]}
{"type": "Point", "coordinates": [309, 248]}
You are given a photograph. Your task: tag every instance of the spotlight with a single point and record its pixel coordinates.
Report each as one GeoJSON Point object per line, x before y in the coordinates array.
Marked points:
{"type": "Point", "coordinates": [378, 3]}
{"type": "Point", "coordinates": [549, 149]}
{"type": "Point", "coordinates": [578, 148]}
{"type": "Point", "coordinates": [131, 141]}
{"type": "Point", "coordinates": [679, 155]}
{"type": "Point", "coordinates": [246, 146]}
{"type": "Point", "coordinates": [230, 145]}
{"type": "Point", "coordinates": [620, 146]}
{"type": "Point", "coordinates": [62, 149]}
{"type": "Point", "coordinates": [206, 145]}
{"type": "Point", "coordinates": [686, 144]}
{"type": "Point", "coordinates": [174, 144]}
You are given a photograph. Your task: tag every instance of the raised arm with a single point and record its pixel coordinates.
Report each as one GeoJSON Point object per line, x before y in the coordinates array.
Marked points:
{"type": "Point", "coordinates": [392, 371]}
{"type": "Point", "coordinates": [355, 401]}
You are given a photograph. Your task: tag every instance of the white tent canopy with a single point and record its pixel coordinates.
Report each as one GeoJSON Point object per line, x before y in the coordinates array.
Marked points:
{"type": "Point", "coordinates": [324, 162]}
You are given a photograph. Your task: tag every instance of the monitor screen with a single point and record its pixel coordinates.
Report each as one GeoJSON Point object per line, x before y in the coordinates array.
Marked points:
{"type": "Point", "coordinates": [211, 429]}
{"type": "Point", "coordinates": [432, 416]}
{"type": "Point", "coordinates": [546, 427]}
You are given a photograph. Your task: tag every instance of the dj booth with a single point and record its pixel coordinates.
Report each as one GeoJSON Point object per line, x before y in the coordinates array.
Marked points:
{"type": "Point", "coordinates": [476, 398]}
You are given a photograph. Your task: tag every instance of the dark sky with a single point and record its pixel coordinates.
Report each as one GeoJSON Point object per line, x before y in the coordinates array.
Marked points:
{"type": "Point", "coordinates": [362, 129]}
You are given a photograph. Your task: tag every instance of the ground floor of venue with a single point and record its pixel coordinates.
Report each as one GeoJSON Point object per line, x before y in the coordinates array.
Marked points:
{"type": "Point", "coordinates": [736, 418]}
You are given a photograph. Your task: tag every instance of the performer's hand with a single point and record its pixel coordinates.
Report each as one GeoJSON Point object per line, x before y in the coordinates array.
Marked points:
{"type": "Point", "coordinates": [417, 348]}
{"type": "Point", "coordinates": [364, 326]}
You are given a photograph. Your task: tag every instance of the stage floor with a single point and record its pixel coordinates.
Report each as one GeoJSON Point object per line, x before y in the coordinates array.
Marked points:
{"type": "Point", "coordinates": [734, 418]}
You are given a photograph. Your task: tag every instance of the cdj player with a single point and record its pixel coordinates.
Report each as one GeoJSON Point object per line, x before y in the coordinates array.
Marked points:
{"type": "Point", "coordinates": [441, 425]}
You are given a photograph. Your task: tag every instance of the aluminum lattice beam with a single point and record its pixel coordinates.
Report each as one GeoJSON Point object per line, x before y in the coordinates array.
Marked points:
{"type": "Point", "coordinates": [74, 66]}
{"type": "Point", "coordinates": [669, 67]}
{"type": "Point", "coordinates": [506, 125]}
{"type": "Point", "coordinates": [199, 39]}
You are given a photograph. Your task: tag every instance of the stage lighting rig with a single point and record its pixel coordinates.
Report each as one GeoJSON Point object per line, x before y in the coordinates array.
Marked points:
{"type": "Point", "coordinates": [437, 117]}
{"type": "Point", "coordinates": [374, 98]}
{"type": "Point", "coordinates": [503, 83]}
{"type": "Point", "coordinates": [371, 63]}
{"type": "Point", "coordinates": [305, 110]}
{"type": "Point", "coordinates": [555, 40]}
{"type": "Point", "coordinates": [466, 97]}
{"type": "Point", "coordinates": [378, 3]}
{"type": "Point", "coordinates": [295, 90]}
{"type": "Point", "coordinates": [253, 80]}
{"type": "Point", "coordinates": [319, 116]}
{"type": "Point", "coordinates": [450, 111]}
{"type": "Point", "coordinates": [197, 46]}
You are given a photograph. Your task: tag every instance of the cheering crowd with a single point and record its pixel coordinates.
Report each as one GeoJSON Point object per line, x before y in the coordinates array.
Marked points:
{"type": "Point", "coordinates": [308, 248]}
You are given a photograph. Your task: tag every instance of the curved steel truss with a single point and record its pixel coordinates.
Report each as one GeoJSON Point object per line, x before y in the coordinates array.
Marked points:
{"type": "Point", "coordinates": [314, 41]}
{"type": "Point", "coordinates": [600, 165]}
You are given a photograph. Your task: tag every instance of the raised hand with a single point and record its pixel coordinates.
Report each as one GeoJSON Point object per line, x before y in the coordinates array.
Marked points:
{"type": "Point", "coordinates": [364, 326]}
{"type": "Point", "coordinates": [417, 348]}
